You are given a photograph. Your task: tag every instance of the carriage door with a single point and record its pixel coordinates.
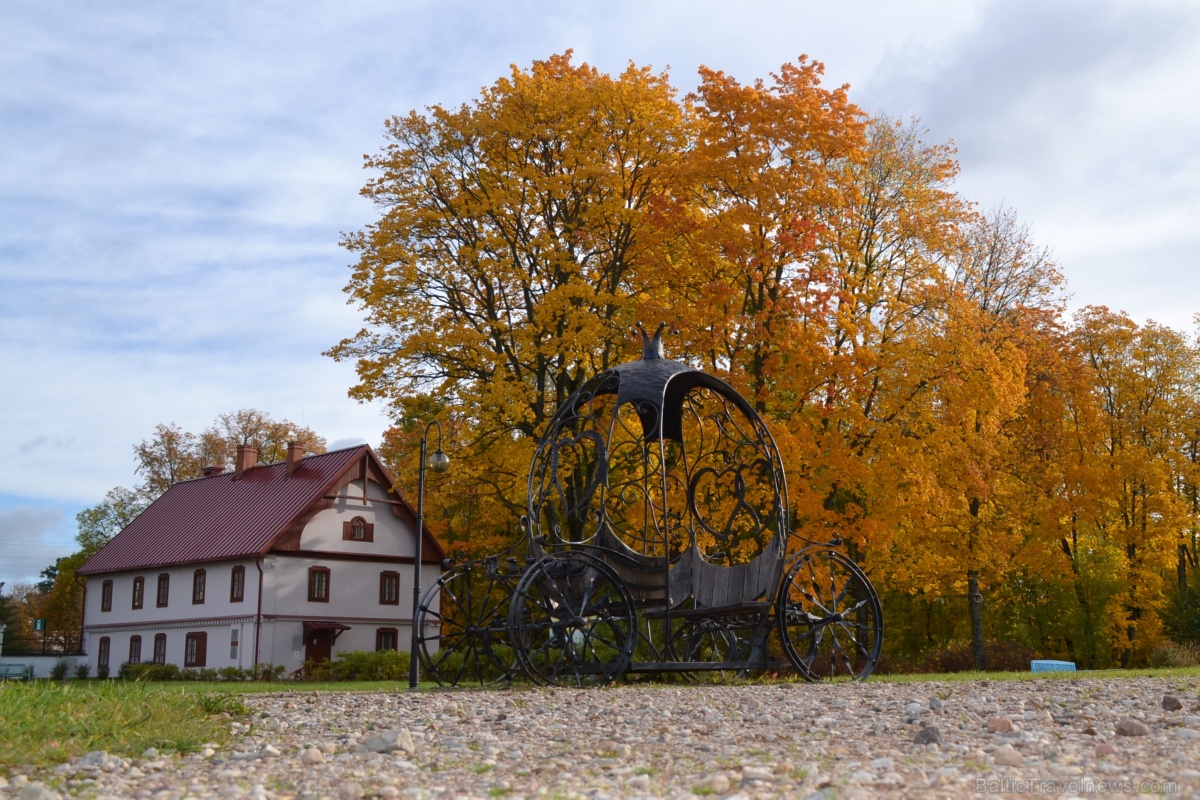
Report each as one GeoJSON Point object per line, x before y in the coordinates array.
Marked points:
{"type": "Point", "coordinates": [318, 645]}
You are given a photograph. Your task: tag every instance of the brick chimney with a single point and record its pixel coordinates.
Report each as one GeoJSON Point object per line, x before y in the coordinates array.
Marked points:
{"type": "Point", "coordinates": [213, 469]}
{"type": "Point", "coordinates": [247, 457]}
{"type": "Point", "coordinates": [295, 456]}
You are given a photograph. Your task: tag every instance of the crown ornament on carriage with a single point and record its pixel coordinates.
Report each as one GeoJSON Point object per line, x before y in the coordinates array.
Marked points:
{"type": "Point", "coordinates": [652, 346]}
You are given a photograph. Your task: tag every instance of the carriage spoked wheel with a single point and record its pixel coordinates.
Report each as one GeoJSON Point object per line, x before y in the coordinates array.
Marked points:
{"type": "Point", "coordinates": [463, 637]}
{"type": "Point", "coordinates": [704, 640]}
{"type": "Point", "coordinates": [572, 621]}
{"type": "Point", "coordinates": [829, 617]}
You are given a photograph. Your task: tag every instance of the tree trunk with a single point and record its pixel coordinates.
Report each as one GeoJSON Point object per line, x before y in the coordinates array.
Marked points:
{"type": "Point", "coordinates": [975, 603]}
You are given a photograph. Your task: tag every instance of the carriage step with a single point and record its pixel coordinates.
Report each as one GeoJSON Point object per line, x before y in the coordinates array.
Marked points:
{"type": "Point", "coordinates": [756, 607]}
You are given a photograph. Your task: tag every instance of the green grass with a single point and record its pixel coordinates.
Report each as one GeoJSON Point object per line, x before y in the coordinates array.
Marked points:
{"type": "Point", "coordinates": [46, 722]}
{"type": "Point", "coordinates": [280, 687]}
{"type": "Point", "coordinates": [1166, 672]}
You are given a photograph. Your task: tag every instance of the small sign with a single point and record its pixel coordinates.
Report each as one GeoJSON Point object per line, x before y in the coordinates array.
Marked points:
{"type": "Point", "coordinates": [39, 624]}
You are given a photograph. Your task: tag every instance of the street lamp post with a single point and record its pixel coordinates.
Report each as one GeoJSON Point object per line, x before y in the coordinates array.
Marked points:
{"type": "Point", "coordinates": [438, 462]}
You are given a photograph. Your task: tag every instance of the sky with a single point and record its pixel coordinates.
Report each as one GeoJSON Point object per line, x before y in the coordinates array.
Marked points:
{"type": "Point", "coordinates": [175, 179]}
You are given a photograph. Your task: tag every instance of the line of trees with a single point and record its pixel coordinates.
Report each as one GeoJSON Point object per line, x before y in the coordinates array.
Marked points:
{"type": "Point", "coordinates": [1005, 472]}
{"type": "Point", "coordinates": [169, 455]}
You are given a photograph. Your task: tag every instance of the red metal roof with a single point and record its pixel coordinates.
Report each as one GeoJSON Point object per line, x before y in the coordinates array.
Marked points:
{"type": "Point", "coordinates": [225, 516]}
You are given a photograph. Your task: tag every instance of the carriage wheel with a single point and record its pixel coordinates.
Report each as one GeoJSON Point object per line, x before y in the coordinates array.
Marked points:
{"type": "Point", "coordinates": [705, 640]}
{"type": "Point", "coordinates": [830, 620]}
{"type": "Point", "coordinates": [572, 621]}
{"type": "Point", "coordinates": [464, 639]}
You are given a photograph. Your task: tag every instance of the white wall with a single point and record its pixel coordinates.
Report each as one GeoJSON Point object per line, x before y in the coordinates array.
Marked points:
{"type": "Point", "coordinates": [217, 616]}
{"type": "Point", "coordinates": [393, 536]}
{"type": "Point", "coordinates": [43, 664]}
{"type": "Point", "coordinates": [218, 652]}
{"type": "Point", "coordinates": [179, 601]}
{"type": "Point", "coordinates": [353, 601]}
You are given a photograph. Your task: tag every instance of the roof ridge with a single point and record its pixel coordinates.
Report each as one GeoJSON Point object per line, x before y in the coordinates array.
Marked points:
{"type": "Point", "coordinates": [271, 464]}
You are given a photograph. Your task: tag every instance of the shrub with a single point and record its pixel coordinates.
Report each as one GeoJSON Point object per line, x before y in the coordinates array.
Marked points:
{"type": "Point", "coordinates": [59, 671]}
{"type": "Point", "coordinates": [369, 665]}
{"type": "Point", "coordinates": [102, 672]}
{"type": "Point", "coordinates": [999, 656]}
{"type": "Point", "coordinates": [83, 670]}
{"type": "Point", "coordinates": [150, 672]}
{"type": "Point", "coordinates": [234, 674]}
{"type": "Point", "coordinates": [269, 672]}
{"type": "Point", "coordinates": [1175, 654]}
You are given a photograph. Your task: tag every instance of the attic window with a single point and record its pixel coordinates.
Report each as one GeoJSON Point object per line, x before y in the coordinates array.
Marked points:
{"type": "Point", "coordinates": [358, 530]}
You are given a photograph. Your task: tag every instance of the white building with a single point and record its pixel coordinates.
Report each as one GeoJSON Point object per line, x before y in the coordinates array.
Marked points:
{"type": "Point", "coordinates": [274, 564]}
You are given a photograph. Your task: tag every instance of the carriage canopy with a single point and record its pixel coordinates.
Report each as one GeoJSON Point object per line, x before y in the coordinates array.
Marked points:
{"type": "Point", "coordinates": [671, 469]}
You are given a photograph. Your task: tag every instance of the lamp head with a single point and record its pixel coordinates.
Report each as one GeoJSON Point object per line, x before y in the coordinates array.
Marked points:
{"type": "Point", "coordinates": [439, 461]}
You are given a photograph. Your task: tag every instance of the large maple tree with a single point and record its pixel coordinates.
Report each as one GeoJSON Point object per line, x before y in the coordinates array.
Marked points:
{"type": "Point", "coordinates": [1003, 472]}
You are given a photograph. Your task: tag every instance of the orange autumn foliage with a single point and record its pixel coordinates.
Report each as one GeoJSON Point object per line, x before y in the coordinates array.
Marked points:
{"type": "Point", "coordinates": [1003, 473]}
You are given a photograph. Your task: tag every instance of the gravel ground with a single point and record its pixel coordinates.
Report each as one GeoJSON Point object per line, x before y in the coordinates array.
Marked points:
{"type": "Point", "coordinates": [1079, 737]}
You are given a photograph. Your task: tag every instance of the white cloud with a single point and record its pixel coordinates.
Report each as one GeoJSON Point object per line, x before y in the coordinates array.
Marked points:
{"type": "Point", "coordinates": [174, 179]}
{"type": "Point", "coordinates": [31, 539]}
{"type": "Point", "coordinates": [1076, 113]}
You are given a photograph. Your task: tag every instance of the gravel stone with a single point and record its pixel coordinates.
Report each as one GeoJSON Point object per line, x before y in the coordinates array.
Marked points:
{"type": "Point", "coordinates": [642, 740]}
{"type": "Point", "coordinates": [757, 774]}
{"type": "Point", "coordinates": [930, 734]}
{"type": "Point", "coordinates": [999, 725]}
{"type": "Point", "coordinates": [400, 739]}
{"type": "Point", "coordinates": [1131, 727]}
{"type": "Point", "coordinates": [713, 784]}
{"type": "Point", "coordinates": [1007, 756]}
{"type": "Point", "coordinates": [1171, 703]}
{"type": "Point", "coordinates": [37, 791]}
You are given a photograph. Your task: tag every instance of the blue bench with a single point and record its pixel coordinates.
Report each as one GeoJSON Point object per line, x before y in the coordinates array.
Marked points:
{"type": "Point", "coordinates": [1051, 666]}
{"type": "Point", "coordinates": [17, 672]}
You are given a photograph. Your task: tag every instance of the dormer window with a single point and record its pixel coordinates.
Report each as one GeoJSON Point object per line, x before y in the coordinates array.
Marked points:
{"type": "Point", "coordinates": [358, 530]}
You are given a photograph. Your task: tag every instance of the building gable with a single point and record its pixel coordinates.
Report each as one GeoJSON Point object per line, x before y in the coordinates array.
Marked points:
{"type": "Point", "coordinates": [238, 515]}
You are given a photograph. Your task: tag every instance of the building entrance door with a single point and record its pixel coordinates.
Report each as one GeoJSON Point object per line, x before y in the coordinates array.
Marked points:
{"type": "Point", "coordinates": [318, 645]}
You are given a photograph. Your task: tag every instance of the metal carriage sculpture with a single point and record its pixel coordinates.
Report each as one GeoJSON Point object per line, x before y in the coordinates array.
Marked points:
{"type": "Point", "coordinates": [657, 539]}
